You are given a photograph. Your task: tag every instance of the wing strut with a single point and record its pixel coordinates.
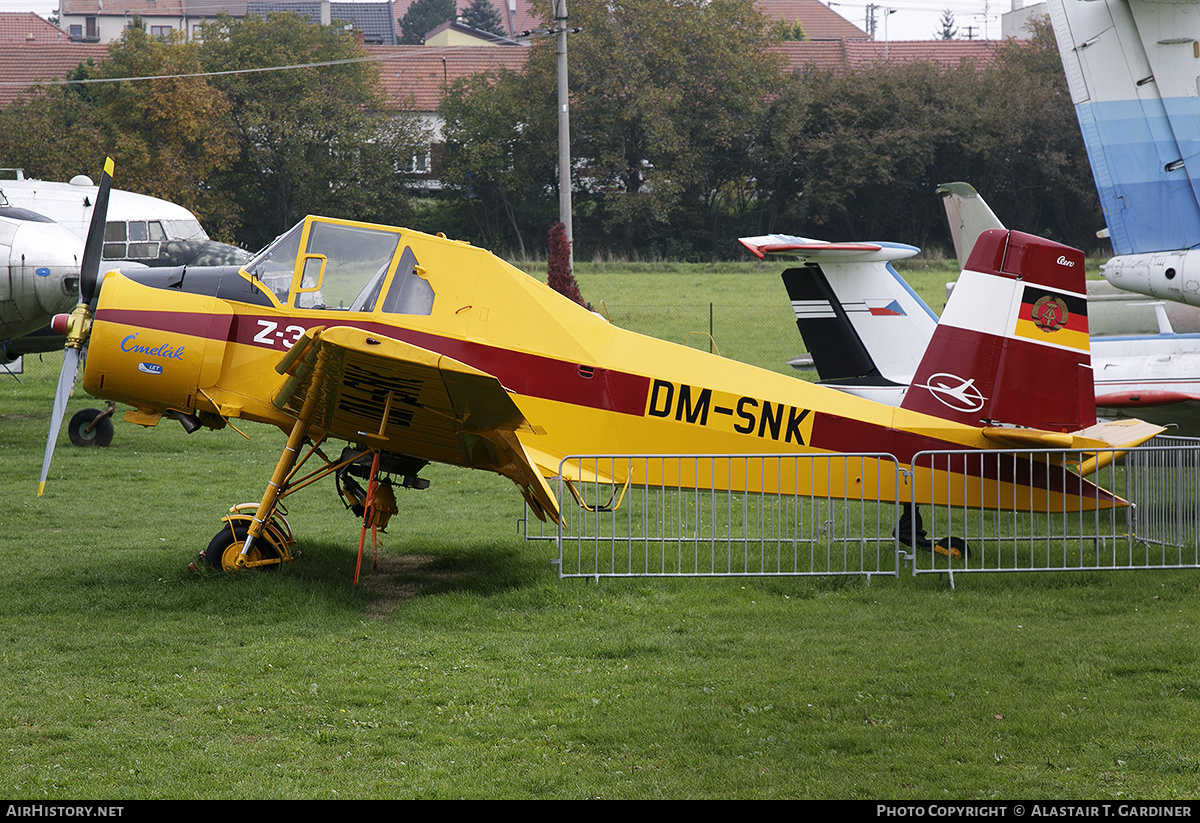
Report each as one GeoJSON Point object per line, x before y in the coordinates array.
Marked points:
{"type": "Point", "coordinates": [284, 466]}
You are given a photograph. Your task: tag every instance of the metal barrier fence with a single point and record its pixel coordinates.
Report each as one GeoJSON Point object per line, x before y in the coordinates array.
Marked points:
{"type": "Point", "coordinates": [1151, 520]}
{"type": "Point", "coordinates": [650, 515]}
{"type": "Point", "coordinates": [654, 515]}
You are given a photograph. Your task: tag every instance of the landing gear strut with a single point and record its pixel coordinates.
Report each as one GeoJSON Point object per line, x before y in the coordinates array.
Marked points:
{"type": "Point", "coordinates": [911, 532]}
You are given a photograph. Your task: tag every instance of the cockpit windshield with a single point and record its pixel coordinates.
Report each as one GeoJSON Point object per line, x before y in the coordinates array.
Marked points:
{"type": "Point", "coordinates": [357, 260]}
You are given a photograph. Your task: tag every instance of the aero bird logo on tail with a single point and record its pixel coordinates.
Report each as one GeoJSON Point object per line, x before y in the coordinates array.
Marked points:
{"type": "Point", "coordinates": [954, 392]}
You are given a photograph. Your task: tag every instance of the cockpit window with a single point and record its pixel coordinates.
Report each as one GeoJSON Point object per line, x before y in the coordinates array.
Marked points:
{"type": "Point", "coordinates": [357, 260]}
{"type": "Point", "coordinates": [275, 264]}
{"type": "Point", "coordinates": [132, 240]}
{"type": "Point", "coordinates": [183, 230]}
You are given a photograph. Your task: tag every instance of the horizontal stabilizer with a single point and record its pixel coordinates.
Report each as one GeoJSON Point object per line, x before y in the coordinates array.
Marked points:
{"type": "Point", "coordinates": [818, 250]}
{"type": "Point", "coordinates": [1117, 434]}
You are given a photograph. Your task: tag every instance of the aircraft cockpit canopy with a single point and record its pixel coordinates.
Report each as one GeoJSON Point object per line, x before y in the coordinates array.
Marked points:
{"type": "Point", "coordinates": [327, 264]}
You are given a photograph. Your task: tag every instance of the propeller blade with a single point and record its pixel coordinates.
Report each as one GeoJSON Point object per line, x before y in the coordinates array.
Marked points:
{"type": "Point", "coordinates": [89, 268]}
{"type": "Point", "coordinates": [79, 324]}
{"type": "Point", "coordinates": [66, 382]}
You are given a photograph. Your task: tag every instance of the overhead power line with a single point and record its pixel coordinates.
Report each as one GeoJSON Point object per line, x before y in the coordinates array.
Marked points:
{"type": "Point", "coordinates": [86, 81]}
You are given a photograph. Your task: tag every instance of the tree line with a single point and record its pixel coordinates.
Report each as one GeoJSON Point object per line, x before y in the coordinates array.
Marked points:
{"type": "Point", "coordinates": [687, 132]}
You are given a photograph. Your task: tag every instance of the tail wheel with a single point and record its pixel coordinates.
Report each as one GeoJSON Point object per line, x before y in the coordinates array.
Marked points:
{"type": "Point", "coordinates": [90, 427]}
{"type": "Point", "coordinates": [224, 549]}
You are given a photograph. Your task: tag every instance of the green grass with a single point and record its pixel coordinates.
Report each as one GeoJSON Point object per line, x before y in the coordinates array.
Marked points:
{"type": "Point", "coordinates": [464, 668]}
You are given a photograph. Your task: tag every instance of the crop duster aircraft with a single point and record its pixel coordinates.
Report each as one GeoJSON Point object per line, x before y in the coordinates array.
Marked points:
{"type": "Point", "coordinates": [415, 348]}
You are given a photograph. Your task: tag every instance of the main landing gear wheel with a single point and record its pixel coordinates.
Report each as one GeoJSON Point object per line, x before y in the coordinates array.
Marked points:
{"type": "Point", "coordinates": [90, 427]}
{"type": "Point", "coordinates": [224, 549]}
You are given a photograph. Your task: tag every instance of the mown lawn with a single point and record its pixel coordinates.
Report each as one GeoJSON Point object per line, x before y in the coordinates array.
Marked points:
{"type": "Point", "coordinates": [463, 667]}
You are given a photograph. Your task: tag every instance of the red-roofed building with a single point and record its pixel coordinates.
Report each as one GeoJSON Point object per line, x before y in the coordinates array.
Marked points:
{"type": "Point", "coordinates": [818, 21]}
{"type": "Point", "coordinates": [828, 54]}
{"type": "Point", "coordinates": [24, 64]}
{"type": "Point", "coordinates": [414, 77]}
{"type": "Point", "coordinates": [27, 27]}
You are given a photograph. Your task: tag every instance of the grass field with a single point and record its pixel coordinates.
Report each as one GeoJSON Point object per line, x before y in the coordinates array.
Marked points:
{"type": "Point", "coordinates": [464, 668]}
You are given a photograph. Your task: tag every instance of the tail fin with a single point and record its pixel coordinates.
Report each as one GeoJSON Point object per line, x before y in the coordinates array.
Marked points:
{"type": "Point", "coordinates": [865, 328]}
{"type": "Point", "coordinates": [1012, 345]}
{"type": "Point", "coordinates": [1130, 66]}
{"type": "Point", "coordinates": [968, 215]}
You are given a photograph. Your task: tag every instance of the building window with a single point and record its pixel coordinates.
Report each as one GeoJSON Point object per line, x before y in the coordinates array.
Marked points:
{"type": "Point", "coordinates": [161, 32]}
{"type": "Point", "coordinates": [419, 164]}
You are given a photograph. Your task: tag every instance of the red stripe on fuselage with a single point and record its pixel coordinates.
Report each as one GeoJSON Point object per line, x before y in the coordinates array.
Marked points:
{"type": "Point", "coordinates": [532, 375]}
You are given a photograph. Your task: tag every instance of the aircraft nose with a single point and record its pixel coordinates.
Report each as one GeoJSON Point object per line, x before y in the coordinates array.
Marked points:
{"type": "Point", "coordinates": [46, 256]}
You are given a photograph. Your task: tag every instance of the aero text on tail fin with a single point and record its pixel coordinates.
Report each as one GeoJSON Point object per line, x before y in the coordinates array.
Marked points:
{"type": "Point", "coordinates": [1012, 345]}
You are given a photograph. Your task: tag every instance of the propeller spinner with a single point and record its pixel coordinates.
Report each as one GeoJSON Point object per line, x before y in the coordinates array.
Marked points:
{"type": "Point", "coordinates": [78, 324]}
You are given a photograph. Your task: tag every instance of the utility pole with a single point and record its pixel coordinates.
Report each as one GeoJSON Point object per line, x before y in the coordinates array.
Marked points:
{"type": "Point", "coordinates": [564, 127]}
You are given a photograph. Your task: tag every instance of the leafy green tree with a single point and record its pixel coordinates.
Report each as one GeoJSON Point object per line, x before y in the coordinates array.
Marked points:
{"type": "Point", "coordinates": [852, 154]}
{"type": "Point", "coordinates": [666, 98]}
{"type": "Point", "coordinates": [1019, 138]}
{"type": "Point", "coordinates": [169, 137]}
{"type": "Point", "coordinates": [422, 16]}
{"type": "Point", "coordinates": [499, 157]}
{"type": "Point", "coordinates": [317, 139]}
{"type": "Point", "coordinates": [858, 153]}
{"type": "Point", "coordinates": [54, 133]}
{"type": "Point", "coordinates": [790, 31]}
{"type": "Point", "coordinates": [482, 15]}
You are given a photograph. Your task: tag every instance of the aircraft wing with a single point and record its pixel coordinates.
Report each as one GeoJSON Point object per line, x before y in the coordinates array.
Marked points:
{"type": "Point", "coordinates": [367, 388]}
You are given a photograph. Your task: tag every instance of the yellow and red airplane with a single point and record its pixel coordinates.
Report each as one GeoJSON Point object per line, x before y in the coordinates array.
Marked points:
{"type": "Point", "coordinates": [415, 348]}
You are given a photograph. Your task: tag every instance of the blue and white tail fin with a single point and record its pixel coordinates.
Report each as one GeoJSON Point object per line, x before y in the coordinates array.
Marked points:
{"type": "Point", "coordinates": [1131, 69]}
{"type": "Point", "coordinates": [1131, 66]}
{"type": "Point", "coordinates": [864, 327]}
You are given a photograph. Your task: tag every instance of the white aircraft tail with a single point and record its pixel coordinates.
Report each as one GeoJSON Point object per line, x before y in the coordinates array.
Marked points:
{"type": "Point", "coordinates": [1131, 69]}
{"type": "Point", "coordinates": [864, 327]}
{"type": "Point", "coordinates": [968, 216]}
